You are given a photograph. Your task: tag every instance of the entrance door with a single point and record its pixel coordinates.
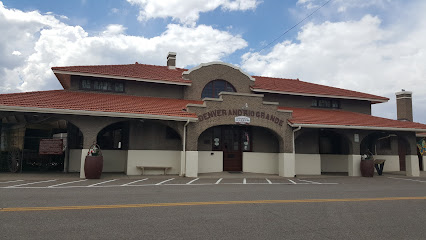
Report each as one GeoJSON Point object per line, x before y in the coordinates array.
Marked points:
{"type": "Point", "coordinates": [401, 152]}
{"type": "Point", "coordinates": [234, 141]}
{"type": "Point", "coordinates": [232, 153]}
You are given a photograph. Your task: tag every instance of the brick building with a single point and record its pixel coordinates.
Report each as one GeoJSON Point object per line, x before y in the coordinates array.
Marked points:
{"type": "Point", "coordinates": [211, 118]}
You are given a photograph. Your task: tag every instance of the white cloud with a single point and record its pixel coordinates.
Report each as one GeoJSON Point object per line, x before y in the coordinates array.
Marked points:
{"type": "Point", "coordinates": [343, 5]}
{"type": "Point", "coordinates": [188, 11]}
{"type": "Point", "coordinates": [44, 42]}
{"type": "Point", "coordinates": [358, 55]}
{"type": "Point", "coordinates": [16, 53]}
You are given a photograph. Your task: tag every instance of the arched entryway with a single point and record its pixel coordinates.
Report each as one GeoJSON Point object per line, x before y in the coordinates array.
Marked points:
{"type": "Point", "coordinates": [322, 151]}
{"type": "Point", "coordinates": [389, 146]}
{"type": "Point", "coordinates": [129, 145]}
{"type": "Point", "coordinates": [38, 142]}
{"type": "Point", "coordinates": [237, 148]}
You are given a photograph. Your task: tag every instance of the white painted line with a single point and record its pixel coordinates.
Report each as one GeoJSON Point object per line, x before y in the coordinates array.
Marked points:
{"type": "Point", "coordinates": [102, 182]}
{"type": "Point", "coordinates": [30, 183]}
{"type": "Point", "coordinates": [12, 181]}
{"type": "Point", "coordinates": [269, 181]}
{"type": "Point", "coordinates": [192, 181]}
{"type": "Point", "coordinates": [245, 181]}
{"type": "Point", "coordinates": [407, 179]}
{"type": "Point", "coordinates": [292, 181]}
{"type": "Point", "coordinates": [218, 181]}
{"type": "Point", "coordinates": [164, 181]}
{"type": "Point", "coordinates": [68, 182]}
{"type": "Point", "coordinates": [309, 181]}
{"type": "Point", "coordinates": [140, 180]}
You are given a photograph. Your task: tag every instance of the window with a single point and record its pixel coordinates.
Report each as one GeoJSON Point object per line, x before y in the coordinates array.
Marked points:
{"type": "Point", "coordinates": [100, 84]}
{"type": "Point", "coordinates": [325, 103]}
{"type": "Point", "coordinates": [213, 88]}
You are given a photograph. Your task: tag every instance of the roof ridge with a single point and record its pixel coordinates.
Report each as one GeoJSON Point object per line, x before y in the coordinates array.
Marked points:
{"type": "Point", "coordinates": [130, 64]}
{"type": "Point", "coordinates": [356, 113]}
{"type": "Point", "coordinates": [33, 92]}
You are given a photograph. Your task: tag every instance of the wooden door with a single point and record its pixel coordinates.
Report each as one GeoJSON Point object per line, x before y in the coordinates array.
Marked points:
{"type": "Point", "coordinates": [232, 151]}
{"type": "Point", "coordinates": [402, 150]}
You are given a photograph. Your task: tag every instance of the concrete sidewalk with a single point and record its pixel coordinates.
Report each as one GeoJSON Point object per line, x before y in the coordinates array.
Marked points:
{"type": "Point", "coordinates": [225, 175]}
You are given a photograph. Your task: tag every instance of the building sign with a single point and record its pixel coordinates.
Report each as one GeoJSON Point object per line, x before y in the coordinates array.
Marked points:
{"type": "Point", "coordinates": [242, 120]}
{"type": "Point", "coordinates": [51, 146]}
{"type": "Point", "coordinates": [240, 113]}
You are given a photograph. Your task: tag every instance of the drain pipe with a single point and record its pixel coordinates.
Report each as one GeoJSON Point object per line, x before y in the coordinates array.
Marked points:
{"type": "Point", "coordinates": [294, 140]}
{"type": "Point", "coordinates": [183, 166]}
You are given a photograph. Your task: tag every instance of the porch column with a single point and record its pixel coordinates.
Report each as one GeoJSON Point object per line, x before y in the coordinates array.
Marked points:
{"type": "Point", "coordinates": [191, 164]}
{"type": "Point", "coordinates": [412, 166]}
{"type": "Point", "coordinates": [286, 164]}
{"type": "Point", "coordinates": [354, 165]}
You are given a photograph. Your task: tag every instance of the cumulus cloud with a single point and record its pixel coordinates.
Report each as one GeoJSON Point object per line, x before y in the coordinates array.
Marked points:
{"type": "Point", "coordinates": [360, 55]}
{"type": "Point", "coordinates": [188, 11]}
{"type": "Point", "coordinates": [43, 41]}
{"type": "Point", "coordinates": [343, 5]}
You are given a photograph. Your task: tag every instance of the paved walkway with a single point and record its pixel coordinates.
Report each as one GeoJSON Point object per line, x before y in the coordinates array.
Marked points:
{"type": "Point", "coordinates": [226, 175]}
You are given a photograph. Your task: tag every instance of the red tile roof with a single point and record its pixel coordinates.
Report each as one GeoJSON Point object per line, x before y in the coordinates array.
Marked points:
{"type": "Point", "coordinates": [301, 87]}
{"type": "Point", "coordinates": [98, 102]}
{"type": "Point", "coordinates": [140, 71]}
{"type": "Point", "coordinates": [313, 116]}
{"type": "Point", "coordinates": [174, 76]}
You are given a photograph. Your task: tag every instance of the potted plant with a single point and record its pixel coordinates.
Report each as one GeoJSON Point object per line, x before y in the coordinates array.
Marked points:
{"type": "Point", "coordinates": [367, 164]}
{"type": "Point", "coordinates": [94, 162]}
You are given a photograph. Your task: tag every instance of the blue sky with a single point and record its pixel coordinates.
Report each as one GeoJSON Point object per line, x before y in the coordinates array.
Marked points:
{"type": "Point", "coordinates": [375, 46]}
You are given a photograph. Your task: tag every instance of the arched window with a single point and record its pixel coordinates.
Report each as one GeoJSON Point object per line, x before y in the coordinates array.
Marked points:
{"type": "Point", "coordinates": [213, 88]}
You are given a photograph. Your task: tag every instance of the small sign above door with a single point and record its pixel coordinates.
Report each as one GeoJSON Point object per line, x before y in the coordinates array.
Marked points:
{"type": "Point", "coordinates": [242, 120]}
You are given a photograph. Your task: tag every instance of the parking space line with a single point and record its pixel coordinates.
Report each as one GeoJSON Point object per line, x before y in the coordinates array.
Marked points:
{"type": "Point", "coordinates": [92, 185]}
{"type": "Point", "coordinates": [244, 181]}
{"type": "Point", "coordinates": [164, 181]}
{"type": "Point", "coordinates": [67, 183]}
{"type": "Point", "coordinates": [12, 181]}
{"type": "Point", "coordinates": [218, 181]}
{"type": "Point", "coordinates": [24, 184]}
{"type": "Point", "coordinates": [192, 181]}
{"type": "Point", "coordinates": [407, 179]}
{"type": "Point", "coordinates": [269, 181]}
{"type": "Point", "coordinates": [140, 180]}
{"type": "Point", "coordinates": [292, 181]}
{"type": "Point", "coordinates": [309, 181]}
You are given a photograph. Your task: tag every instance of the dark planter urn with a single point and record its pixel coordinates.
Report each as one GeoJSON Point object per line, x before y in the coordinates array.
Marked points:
{"type": "Point", "coordinates": [367, 168]}
{"type": "Point", "coordinates": [93, 167]}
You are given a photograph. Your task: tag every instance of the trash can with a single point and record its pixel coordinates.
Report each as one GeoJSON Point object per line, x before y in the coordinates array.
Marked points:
{"type": "Point", "coordinates": [367, 167]}
{"type": "Point", "coordinates": [93, 163]}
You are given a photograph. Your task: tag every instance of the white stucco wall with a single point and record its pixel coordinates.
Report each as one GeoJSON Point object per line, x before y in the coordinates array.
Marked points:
{"type": "Point", "coordinates": [391, 164]}
{"type": "Point", "coordinates": [412, 166]}
{"type": "Point", "coordinates": [114, 160]}
{"type": "Point", "coordinates": [257, 162]}
{"type": "Point", "coordinates": [308, 164]}
{"type": "Point", "coordinates": [191, 164]}
{"type": "Point", "coordinates": [74, 160]}
{"type": "Point", "coordinates": [210, 161]}
{"type": "Point", "coordinates": [286, 164]}
{"type": "Point", "coordinates": [334, 163]}
{"type": "Point", "coordinates": [153, 158]}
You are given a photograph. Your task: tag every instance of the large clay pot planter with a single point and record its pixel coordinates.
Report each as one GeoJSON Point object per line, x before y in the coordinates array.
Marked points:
{"type": "Point", "coordinates": [93, 167]}
{"type": "Point", "coordinates": [367, 168]}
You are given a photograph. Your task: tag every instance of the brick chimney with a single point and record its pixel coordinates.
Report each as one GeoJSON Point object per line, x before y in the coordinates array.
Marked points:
{"type": "Point", "coordinates": [171, 60]}
{"type": "Point", "coordinates": [404, 107]}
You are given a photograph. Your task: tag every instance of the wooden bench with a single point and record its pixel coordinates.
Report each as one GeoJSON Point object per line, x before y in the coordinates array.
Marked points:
{"type": "Point", "coordinates": [153, 167]}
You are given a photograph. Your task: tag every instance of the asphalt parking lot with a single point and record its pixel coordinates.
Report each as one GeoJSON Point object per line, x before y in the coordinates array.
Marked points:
{"type": "Point", "coordinates": [245, 206]}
